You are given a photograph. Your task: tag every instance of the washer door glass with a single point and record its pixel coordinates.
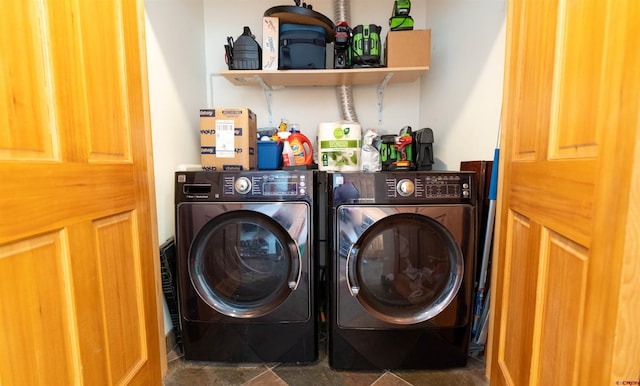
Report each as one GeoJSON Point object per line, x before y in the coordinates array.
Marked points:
{"type": "Point", "coordinates": [405, 268]}
{"type": "Point", "coordinates": [244, 264]}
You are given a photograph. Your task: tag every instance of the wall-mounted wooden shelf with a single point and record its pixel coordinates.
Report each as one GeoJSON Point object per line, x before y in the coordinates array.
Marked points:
{"type": "Point", "coordinates": [302, 78]}
{"type": "Point", "coordinates": [270, 80]}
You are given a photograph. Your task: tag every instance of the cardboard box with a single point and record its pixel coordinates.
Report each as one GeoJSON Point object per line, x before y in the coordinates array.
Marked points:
{"type": "Point", "coordinates": [270, 48]}
{"type": "Point", "coordinates": [408, 48]}
{"type": "Point", "coordinates": [228, 139]}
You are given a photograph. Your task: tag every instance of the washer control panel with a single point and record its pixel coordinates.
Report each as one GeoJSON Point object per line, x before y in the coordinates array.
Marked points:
{"type": "Point", "coordinates": [239, 186]}
{"type": "Point", "coordinates": [266, 185]}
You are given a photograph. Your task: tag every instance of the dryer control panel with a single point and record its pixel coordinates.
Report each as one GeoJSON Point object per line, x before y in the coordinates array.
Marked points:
{"type": "Point", "coordinates": [403, 187]}
{"type": "Point", "coordinates": [429, 186]}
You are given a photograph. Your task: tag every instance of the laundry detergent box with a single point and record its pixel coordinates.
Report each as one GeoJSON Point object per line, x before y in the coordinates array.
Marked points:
{"type": "Point", "coordinates": [339, 146]}
{"type": "Point", "coordinates": [228, 139]}
{"type": "Point", "coordinates": [270, 43]}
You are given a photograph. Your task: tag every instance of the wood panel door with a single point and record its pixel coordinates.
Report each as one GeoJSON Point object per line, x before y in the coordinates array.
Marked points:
{"type": "Point", "coordinates": [568, 256]}
{"type": "Point", "coordinates": [78, 239]}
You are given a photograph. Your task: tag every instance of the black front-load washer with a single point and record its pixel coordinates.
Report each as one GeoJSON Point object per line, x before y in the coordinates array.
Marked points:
{"type": "Point", "coordinates": [246, 266]}
{"type": "Point", "coordinates": [402, 262]}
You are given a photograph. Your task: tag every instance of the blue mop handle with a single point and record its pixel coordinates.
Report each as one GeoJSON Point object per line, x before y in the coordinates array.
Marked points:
{"type": "Point", "coordinates": [493, 194]}
{"type": "Point", "coordinates": [493, 187]}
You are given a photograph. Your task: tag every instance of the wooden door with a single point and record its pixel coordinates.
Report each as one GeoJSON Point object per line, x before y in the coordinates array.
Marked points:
{"type": "Point", "coordinates": [78, 240]}
{"type": "Point", "coordinates": [568, 256]}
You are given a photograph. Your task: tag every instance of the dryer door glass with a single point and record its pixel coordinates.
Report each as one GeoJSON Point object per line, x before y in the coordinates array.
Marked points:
{"type": "Point", "coordinates": [244, 264]}
{"type": "Point", "coordinates": [405, 268]}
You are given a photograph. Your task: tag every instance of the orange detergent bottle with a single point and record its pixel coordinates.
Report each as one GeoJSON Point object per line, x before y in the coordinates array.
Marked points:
{"type": "Point", "coordinates": [301, 147]}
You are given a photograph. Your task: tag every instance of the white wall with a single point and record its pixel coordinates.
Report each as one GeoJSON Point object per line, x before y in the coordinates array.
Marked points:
{"type": "Point", "coordinates": [462, 91]}
{"type": "Point", "coordinates": [175, 56]}
{"type": "Point", "coordinates": [459, 97]}
{"type": "Point", "coordinates": [176, 61]}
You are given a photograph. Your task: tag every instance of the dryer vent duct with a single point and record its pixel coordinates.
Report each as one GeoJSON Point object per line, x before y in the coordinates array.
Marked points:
{"type": "Point", "coordinates": [344, 93]}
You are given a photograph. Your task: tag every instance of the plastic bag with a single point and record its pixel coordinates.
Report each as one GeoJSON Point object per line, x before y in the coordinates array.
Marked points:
{"type": "Point", "coordinates": [370, 154]}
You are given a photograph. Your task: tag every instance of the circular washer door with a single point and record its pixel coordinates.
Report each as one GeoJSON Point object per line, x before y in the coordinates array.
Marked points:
{"type": "Point", "coordinates": [405, 268]}
{"type": "Point", "coordinates": [244, 264]}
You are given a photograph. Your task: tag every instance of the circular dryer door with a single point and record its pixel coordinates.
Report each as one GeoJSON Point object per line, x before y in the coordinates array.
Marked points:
{"type": "Point", "coordinates": [244, 264]}
{"type": "Point", "coordinates": [405, 268]}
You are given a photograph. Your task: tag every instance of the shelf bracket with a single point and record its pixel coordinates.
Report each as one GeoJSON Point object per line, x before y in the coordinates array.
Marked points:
{"type": "Point", "coordinates": [381, 88]}
{"type": "Point", "coordinates": [268, 94]}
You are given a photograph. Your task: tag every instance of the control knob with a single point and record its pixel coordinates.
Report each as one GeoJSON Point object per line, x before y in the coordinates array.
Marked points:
{"type": "Point", "coordinates": [405, 187]}
{"type": "Point", "coordinates": [243, 185]}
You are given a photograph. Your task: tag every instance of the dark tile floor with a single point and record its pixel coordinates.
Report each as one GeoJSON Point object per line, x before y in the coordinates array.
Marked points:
{"type": "Point", "coordinates": [188, 373]}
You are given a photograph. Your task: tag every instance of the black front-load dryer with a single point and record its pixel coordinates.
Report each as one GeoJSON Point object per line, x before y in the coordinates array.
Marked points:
{"type": "Point", "coordinates": [245, 266]}
{"type": "Point", "coordinates": [402, 263]}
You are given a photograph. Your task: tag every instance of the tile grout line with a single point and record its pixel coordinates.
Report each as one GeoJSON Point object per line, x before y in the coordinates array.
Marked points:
{"type": "Point", "coordinates": [379, 378]}
{"type": "Point", "coordinates": [400, 378]}
{"type": "Point", "coordinates": [392, 374]}
{"type": "Point", "coordinates": [268, 369]}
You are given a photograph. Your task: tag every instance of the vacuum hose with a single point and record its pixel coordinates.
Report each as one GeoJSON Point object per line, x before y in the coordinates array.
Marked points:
{"type": "Point", "coordinates": [344, 93]}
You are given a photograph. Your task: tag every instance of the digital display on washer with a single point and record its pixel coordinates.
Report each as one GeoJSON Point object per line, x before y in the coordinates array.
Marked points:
{"type": "Point", "coordinates": [279, 188]}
